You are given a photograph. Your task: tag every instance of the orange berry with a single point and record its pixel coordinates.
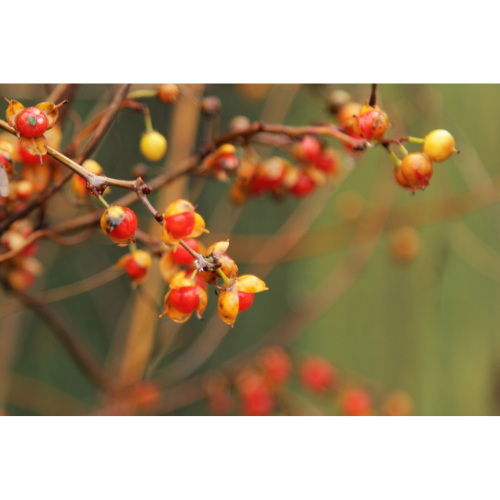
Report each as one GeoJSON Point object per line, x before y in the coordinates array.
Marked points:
{"type": "Point", "coordinates": [168, 93]}
{"type": "Point", "coordinates": [416, 168]}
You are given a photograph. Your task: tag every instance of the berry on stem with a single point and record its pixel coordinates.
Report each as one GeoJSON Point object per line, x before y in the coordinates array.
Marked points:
{"type": "Point", "coordinates": [184, 297]}
{"type": "Point", "coordinates": [136, 264]}
{"type": "Point", "coordinates": [153, 145]}
{"type": "Point", "coordinates": [356, 403]}
{"type": "Point", "coordinates": [439, 145]}
{"type": "Point", "coordinates": [416, 168]}
{"type": "Point", "coordinates": [317, 374]}
{"type": "Point", "coordinates": [119, 223]}
{"type": "Point", "coordinates": [276, 364]}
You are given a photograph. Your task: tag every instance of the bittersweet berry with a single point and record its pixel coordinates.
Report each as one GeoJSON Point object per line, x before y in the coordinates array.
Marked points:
{"type": "Point", "coordinates": [307, 150]}
{"type": "Point", "coordinates": [347, 116]}
{"type": "Point", "coordinates": [168, 93]}
{"type": "Point", "coordinates": [303, 186]}
{"type": "Point", "coordinates": [153, 145]}
{"type": "Point", "coordinates": [398, 404]}
{"type": "Point", "coordinates": [28, 158]}
{"type": "Point", "coordinates": [181, 221]}
{"type": "Point", "coordinates": [183, 298]}
{"type": "Point", "coordinates": [210, 105]}
{"type": "Point", "coordinates": [327, 161]}
{"type": "Point", "coordinates": [439, 145]}
{"type": "Point", "coordinates": [372, 122]}
{"type": "Point", "coordinates": [182, 256]}
{"type": "Point", "coordinates": [356, 403]}
{"type": "Point", "coordinates": [405, 244]}
{"type": "Point", "coordinates": [276, 364]}
{"type": "Point", "coordinates": [256, 398]}
{"type": "Point", "coordinates": [79, 184]}
{"type": "Point", "coordinates": [269, 175]}
{"type": "Point", "coordinates": [31, 123]}
{"type": "Point", "coordinates": [136, 264]}
{"type": "Point", "coordinates": [229, 297]}
{"type": "Point", "coordinates": [402, 181]}
{"type": "Point", "coordinates": [146, 394]}
{"type": "Point", "coordinates": [317, 374]}
{"type": "Point", "coordinates": [119, 223]}
{"type": "Point", "coordinates": [416, 168]}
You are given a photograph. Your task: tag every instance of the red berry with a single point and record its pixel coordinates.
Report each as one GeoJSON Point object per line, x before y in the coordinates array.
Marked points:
{"type": "Point", "coordinates": [356, 402]}
{"type": "Point", "coordinates": [276, 364]}
{"type": "Point", "coordinates": [146, 394]}
{"type": "Point", "coordinates": [256, 399]}
{"type": "Point", "coordinates": [31, 249]}
{"type": "Point", "coordinates": [317, 374]}
{"type": "Point", "coordinates": [220, 403]}
{"type": "Point", "coordinates": [127, 227]}
{"type": "Point", "coordinates": [246, 300]}
{"type": "Point", "coordinates": [326, 163]}
{"type": "Point", "coordinates": [227, 162]}
{"type": "Point", "coordinates": [32, 122]}
{"type": "Point", "coordinates": [185, 299]}
{"type": "Point", "coordinates": [307, 150]}
{"type": "Point", "coordinates": [348, 146]}
{"type": "Point", "coordinates": [28, 158]}
{"type": "Point", "coordinates": [4, 161]}
{"type": "Point", "coordinates": [200, 282]}
{"type": "Point", "coordinates": [303, 186]}
{"type": "Point", "coordinates": [182, 256]}
{"type": "Point", "coordinates": [181, 224]}
{"type": "Point", "coordinates": [134, 270]}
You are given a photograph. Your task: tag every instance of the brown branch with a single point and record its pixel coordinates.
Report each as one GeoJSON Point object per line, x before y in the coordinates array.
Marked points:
{"type": "Point", "coordinates": [46, 233]}
{"type": "Point", "coordinates": [373, 96]}
{"type": "Point", "coordinates": [65, 335]}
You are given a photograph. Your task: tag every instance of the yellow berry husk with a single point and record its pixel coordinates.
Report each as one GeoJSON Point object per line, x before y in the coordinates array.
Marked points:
{"type": "Point", "coordinates": [250, 284]}
{"type": "Point", "coordinates": [439, 145]}
{"type": "Point", "coordinates": [142, 258]}
{"type": "Point", "coordinates": [217, 249]}
{"type": "Point", "coordinates": [228, 305]}
{"type": "Point", "coordinates": [199, 227]}
{"type": "Point", "coordinates": [38, 175]}
{"type": "Point", "coordinates": [153, 145]}
{"type": "Point", "coordinates": [179, 207]}
{"type": "Point", "coordinates": [168, 267]}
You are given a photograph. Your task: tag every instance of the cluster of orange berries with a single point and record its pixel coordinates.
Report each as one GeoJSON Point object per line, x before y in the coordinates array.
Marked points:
{"type": "Point", "coordinates": [22, 270]}
{"type": "Point", "coordinates": [416, 169]}
{"type": "Point", "coordinates": [260, 387]}
{"type": "Point", "coordinates": [187, 267]}
{"type": "Point", "coordinates": [28, 155]}
{"type": "Point", "coordinates": [255, 176]}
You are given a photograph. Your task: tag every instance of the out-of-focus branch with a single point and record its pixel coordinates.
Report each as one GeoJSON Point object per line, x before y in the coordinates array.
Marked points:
{"type": "Point", "coordinates": [65, 335]}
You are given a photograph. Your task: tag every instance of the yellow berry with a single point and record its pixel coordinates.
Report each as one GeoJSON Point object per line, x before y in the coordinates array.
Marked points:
{"type": "Point", "coordinates": [439, 145]}
{"type": "Point", "coordinates": [153, 145]}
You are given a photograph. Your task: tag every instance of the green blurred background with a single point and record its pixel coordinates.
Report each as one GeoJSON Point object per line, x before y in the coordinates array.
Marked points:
{"type": "Point", "coordinates": [428, 327]}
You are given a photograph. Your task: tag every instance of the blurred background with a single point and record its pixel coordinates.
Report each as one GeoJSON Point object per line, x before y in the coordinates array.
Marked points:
{"type": "Point", "coordinates": [399, 292]}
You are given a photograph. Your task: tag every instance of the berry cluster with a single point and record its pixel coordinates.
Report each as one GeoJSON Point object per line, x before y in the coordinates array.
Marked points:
{"type": "Point", "coordinates": [262, 388]}
{"type": "Point", "coordinates": [185, 255]}
{"type": "Point", "coordinates": [22, 270]}
{"type": "Point", "coordinates": [315, 164]}
{"type": "Point", "coordinates": [415, 170]}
